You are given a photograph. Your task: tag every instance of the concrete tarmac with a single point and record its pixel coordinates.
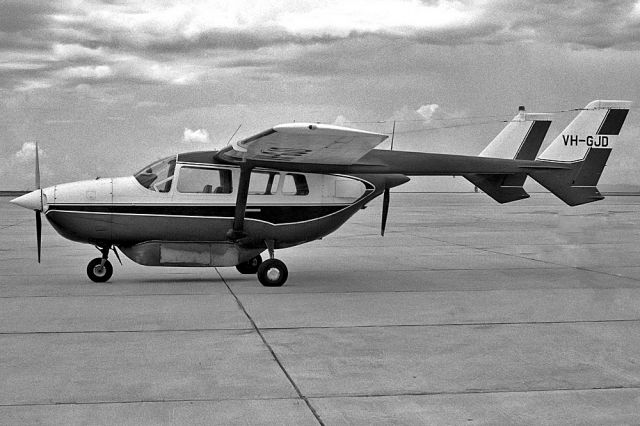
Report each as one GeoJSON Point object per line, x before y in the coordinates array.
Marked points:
{"type": "Point", "coordinates": [466, 312]}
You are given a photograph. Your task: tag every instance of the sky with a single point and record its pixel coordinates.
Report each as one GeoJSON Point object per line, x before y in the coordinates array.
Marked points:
{"type": "Point", "coordinates": [106, 87]}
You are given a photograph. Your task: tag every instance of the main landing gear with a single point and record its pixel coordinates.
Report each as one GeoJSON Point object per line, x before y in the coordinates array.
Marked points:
{"type": "Point", "coordinates": [250, 266]}
{"type": "Point", "coordinates": [99, 270]}
{"type": "Point", "coordinates": [271, 273]}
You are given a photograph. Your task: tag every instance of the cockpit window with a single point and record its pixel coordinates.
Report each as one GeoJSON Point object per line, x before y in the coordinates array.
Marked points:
{"type": "Point", "coordinates": [158, 176]}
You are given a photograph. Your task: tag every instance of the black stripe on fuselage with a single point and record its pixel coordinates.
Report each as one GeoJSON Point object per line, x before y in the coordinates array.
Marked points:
{"type": "Point", "coordinates": [272, 214]}
{"type": "Point", "coordinates": [613, 122]}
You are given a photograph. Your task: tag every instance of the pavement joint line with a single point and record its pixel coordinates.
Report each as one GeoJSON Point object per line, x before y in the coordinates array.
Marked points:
{"type": "Point", "coordinates": [185, 330]}
{"type": "Point", "coordinates": [327, 396]}
{"type": "Point", "coordinates": [21, 222]}
{"type": "Point", "coordinates": [77, 296]}
{"type": "Point", "coordinates": [479, 391]}
{"type": "Point", "coordinates": [453, 324]}
{"type": "Point", "coordinates": [289, 293]}
{"type": "Point", "coordinates": [207, 330]}
{"type": "Point", "coordinates": [273, 354]}
{"type": "Point", "coordinates": [148, 401]}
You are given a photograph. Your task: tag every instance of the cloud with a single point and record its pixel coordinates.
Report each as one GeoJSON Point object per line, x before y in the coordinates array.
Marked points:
{"type": "Point", "coordinates": [29, 85]}
{"type": "Point", "coordinates": [183, 43]}
{"type": "Point", "coordinates": [427, 111]}
{"type": "Point", "coordinates": [28, 152]}
{"type": "Point", "coordinates": [195, 136]}
{"type": "Point", "coordinates": [87, 72]}
{"type": "Point", "coordinates": [340, 120]}
{"type": "Point", "coordinates": [75, 51]}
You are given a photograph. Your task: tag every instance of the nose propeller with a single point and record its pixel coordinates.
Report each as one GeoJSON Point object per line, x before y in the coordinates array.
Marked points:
{"type": "Point", "coordinates": [38, 212]}
{"type": "Point", "coordinates": [34, 201]}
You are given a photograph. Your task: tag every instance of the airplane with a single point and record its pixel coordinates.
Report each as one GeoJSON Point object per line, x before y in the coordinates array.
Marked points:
{"type": "Point", "coordinates": [298, 182]}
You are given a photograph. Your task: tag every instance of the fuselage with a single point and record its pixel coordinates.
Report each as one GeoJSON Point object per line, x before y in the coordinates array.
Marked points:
{"type": "Point", "coordinates": [190, 199]}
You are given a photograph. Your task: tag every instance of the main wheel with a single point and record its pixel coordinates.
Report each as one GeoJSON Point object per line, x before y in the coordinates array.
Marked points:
{"type": "Point", "coordinates": [99, 273]}
{"type": "Point", "coordinates": [272, 273]}
{"type": "Point", "coordinates": [250, 266]}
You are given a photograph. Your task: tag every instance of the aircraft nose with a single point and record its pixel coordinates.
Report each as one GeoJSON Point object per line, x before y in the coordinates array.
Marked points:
{"type": "Point", "coordinates": [29, 201]}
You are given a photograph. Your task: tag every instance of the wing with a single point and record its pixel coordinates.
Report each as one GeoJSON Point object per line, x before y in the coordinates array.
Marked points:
{"type": "Point", "coordinates": [305, 143]}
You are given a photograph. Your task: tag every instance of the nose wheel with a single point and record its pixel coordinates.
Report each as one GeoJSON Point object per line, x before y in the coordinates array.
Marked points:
{"type": "Point", "coordinates": [99, 270]}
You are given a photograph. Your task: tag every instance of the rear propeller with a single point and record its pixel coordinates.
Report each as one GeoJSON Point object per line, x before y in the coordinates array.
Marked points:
{"type": "Point", "coordinates": [385, 210]}
{"type": "Point", "coordinates": [386, 198]}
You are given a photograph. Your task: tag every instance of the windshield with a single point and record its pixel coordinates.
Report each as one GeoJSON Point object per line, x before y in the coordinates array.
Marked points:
{"type": "Point", "coordinates": [158, 176]}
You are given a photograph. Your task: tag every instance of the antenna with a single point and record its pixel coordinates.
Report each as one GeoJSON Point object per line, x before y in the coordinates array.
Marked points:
{"type": "Point", "coordinates": [393, 133]}
{"type": "Point", "coordinates": [234, 133]}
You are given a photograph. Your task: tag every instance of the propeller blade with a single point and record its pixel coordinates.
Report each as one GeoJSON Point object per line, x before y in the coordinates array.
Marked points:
{"type": "Point", "coordinates": [39, 232]}
{"type": "Point", "coordinates": [37, 168]}
{"type": "Point", "coordinates": [385, 209]}
{"type": "Point", "coordinates": [38, 212]}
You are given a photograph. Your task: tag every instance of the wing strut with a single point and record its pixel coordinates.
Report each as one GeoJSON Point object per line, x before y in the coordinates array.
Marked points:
{"type": "Point", "coordinates": [237, 232]}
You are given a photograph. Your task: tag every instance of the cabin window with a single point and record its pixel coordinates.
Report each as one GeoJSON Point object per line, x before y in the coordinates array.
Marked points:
{"type": "Point", "coordinates": [205, 180]}
{"type": "Point", "coordinates": [295, 184]}
{"type": "Point", "coordinates": [158, 176]}
{"type": "Point", "coordinates": [263, 183]}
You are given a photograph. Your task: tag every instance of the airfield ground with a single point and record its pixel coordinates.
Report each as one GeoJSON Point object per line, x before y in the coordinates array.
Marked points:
{"type": "Point", "coordinates": [467, 312]}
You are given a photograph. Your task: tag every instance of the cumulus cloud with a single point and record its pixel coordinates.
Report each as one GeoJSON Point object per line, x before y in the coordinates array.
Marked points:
{"type": "Point", "coordinates": [427, 111]}
{"type": "Point", "coordinates": [195, 136]}
{"type": "Point", "coordinates": [425, 114]}
{"type": "Point", "coordinates": [340, 120]}
{"type": "Point", "coordinates": [28, 152]}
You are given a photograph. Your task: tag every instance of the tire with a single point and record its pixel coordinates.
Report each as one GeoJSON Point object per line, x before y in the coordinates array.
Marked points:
{"type": "Point", "coordinates": [99, 274]}
{"type": "Point", "coordinates": [250, 266]}
{"type": "Point", "coordinates": [272, 273]}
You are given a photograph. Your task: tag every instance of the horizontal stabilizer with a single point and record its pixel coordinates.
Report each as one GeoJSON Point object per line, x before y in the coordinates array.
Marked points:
{"type": "Point", "coordinates": [502, 188]}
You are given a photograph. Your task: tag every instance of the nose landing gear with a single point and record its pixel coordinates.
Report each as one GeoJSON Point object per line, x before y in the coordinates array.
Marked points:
{"type": "Point", "coordinates": [99, 270]}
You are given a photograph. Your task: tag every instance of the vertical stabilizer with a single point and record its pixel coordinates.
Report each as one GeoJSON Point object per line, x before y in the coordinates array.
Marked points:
{"type": "Point", "coordinates": [521, 139]}
{"type": "Point", "coordinates": [584, 147]}
{"type": "Point", "coordinates": [596, 126]}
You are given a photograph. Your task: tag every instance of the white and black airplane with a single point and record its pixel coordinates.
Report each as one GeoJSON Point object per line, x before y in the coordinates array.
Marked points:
{"type": "Point", "coordinates": [296, 183]}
